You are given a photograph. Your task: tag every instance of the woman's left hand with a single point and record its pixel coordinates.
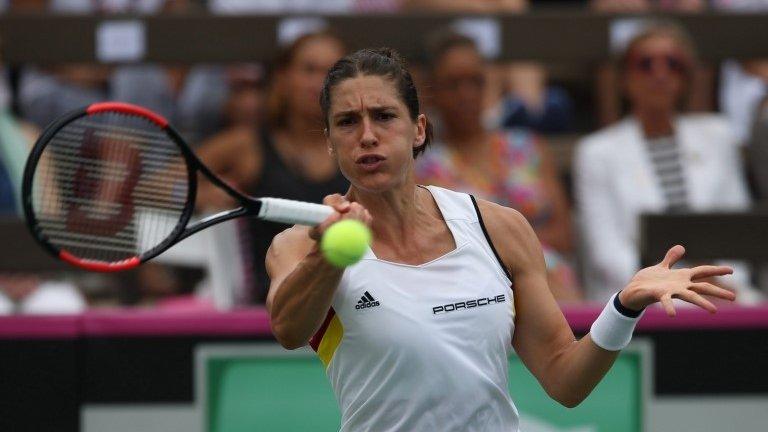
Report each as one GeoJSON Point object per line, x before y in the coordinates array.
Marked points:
{"type": "Point", "coordinates": [661, 283]}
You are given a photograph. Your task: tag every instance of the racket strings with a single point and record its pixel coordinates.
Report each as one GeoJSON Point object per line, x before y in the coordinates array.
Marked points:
{"type": "Point", "coordinates": [109, 187]}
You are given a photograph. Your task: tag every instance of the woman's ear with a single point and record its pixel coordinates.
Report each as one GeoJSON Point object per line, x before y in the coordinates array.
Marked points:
{"type": "Point", "coordinates": [328, 144]}
{"type": "Point", "coordinates": [421, 131]}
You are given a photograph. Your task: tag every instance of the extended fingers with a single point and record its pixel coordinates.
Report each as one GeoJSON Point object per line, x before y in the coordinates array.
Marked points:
{"type": "Point", "coordinates": [706, 271]}
{"type": "Point", "coordinates": [709, 289]}
{"type": "Point", "coordinates": [694, 298]}
{"type": "Point", "coordinates": [673, 255]}
{"type": "Point", "coordinates": [666, 302]}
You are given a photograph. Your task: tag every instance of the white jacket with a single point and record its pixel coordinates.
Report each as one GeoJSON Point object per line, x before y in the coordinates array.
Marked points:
{"type": "Point", "coordinates": [615, 183]}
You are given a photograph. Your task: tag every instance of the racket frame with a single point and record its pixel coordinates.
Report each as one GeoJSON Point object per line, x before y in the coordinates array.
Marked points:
{"type": "Point", "coordinates": [179, 232]}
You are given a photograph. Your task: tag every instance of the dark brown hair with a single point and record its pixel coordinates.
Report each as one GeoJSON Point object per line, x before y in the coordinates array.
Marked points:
{"type": "Point", "coordinates": [440, 42]}
{"type": "Point", "coordinates": [276, 104]}
{"type": "Point", "coordinates": [383, 62]}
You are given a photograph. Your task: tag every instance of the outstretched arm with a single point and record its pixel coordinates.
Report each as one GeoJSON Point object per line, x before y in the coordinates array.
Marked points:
{"type": "Point", "coordinates": [302, 281]}
{"type": "Point", "coordinates": [568, 369]}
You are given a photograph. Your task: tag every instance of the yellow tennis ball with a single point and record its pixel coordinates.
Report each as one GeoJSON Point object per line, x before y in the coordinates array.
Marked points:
{"type": "Point", "coordinates": [345, 242]}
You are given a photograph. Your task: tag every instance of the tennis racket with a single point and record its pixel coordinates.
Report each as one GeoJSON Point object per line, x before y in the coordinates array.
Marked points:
{"type": "Point", "coordinates": [112, 185]}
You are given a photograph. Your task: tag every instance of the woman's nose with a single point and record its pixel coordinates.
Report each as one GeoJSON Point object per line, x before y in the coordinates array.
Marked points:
{"type": "Point", "coordinates": [368, 138]}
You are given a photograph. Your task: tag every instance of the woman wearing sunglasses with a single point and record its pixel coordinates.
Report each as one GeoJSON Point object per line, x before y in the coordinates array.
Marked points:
{"type": "Point", "coordinates": [655, 160]}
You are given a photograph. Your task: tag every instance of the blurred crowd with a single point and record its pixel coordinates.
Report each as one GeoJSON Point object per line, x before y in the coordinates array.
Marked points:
{"type": "Point", "coordinates": [665, 133]}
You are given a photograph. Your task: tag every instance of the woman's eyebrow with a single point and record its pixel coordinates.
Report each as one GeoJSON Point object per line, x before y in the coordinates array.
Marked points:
{"type": "Point", "coordinates": [377, 108]}
{"type": "Point", "coordinates": [345, 113]}
{"type": "Point", "coordinates": [381, 108]}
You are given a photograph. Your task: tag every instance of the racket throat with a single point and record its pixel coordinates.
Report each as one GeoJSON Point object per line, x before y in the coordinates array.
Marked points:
{"type": "Point", "coordinates": [214, 219]}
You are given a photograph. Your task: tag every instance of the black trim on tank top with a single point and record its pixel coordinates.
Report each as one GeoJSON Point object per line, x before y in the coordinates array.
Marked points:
{"type": "Point", "coordinates": [488, 239]}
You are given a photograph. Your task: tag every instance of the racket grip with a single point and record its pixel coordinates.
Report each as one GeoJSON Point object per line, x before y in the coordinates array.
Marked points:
{"type": "Point", "coordinates": [293, 212]}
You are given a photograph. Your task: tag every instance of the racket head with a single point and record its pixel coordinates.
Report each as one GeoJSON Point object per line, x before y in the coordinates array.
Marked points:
{"type": "Point", "coordinates": [109, 186]}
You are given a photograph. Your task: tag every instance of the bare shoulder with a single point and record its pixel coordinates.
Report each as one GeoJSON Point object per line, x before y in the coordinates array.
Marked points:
{"type": "Point", "coordinates": [503, 220]}
{"type": "Point", "coordinates": [284, 254]}
{"type": "Point", "coordinates": [511, 234]}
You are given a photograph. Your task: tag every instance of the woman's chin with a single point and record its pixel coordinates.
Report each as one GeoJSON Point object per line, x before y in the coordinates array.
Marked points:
{"type": "Point", "coordinates": [377, 183]}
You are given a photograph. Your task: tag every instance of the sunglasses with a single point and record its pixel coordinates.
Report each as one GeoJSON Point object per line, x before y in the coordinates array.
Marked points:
{"type": "Point", "coordinates": [648, 63]}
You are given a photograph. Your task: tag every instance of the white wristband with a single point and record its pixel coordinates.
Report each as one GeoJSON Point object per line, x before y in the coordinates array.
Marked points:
{"type": "Point", "coordinates": [612, 330]}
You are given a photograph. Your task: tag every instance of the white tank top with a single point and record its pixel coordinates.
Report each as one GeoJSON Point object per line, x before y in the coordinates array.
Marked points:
{"type": "Point", "coordinates": [424, 347]}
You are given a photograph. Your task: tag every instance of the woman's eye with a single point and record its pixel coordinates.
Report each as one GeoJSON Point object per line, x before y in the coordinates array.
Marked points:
{"type": "Point", "coordinates": [385, 116]}
{"type": "Point", "coordinates": [345, 121]}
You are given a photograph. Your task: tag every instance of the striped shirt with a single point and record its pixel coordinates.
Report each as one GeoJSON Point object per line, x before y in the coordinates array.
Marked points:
{"type": "Point", "coordinates": [667, 164]}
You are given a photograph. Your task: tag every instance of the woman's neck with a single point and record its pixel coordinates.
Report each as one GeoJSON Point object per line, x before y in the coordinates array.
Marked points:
{"type": "Point", "coordinates": [655, 122]}
{"type": "Point", "coordinates": [394, 212]}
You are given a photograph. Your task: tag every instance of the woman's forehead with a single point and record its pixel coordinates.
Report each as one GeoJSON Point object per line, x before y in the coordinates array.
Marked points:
{"type": "Point", "coordinates": [364, 90]}
{"type": "Point", "coordinates": [459, 55]}
{"type": "Point", "coordinates": [659, 42]}
{"type": "Point", "coordinates": [319, 47]}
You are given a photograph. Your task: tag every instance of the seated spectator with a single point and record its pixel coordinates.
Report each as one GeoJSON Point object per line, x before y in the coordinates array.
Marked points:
{"type": "Point", "coordinates": [24, 293]}
{"type": "Point", "coordinates": [22, 5]}
{"type": "Point", "coordinates": [29, 294]}
{"type": "Point", "coordinates": [699, 97]}
{"type": "Point", "coordinates": [517, 93]}
{"type": "Point", "coordinates": [743, 85]}
{"type": "Point", "coordinates": [7, 198]}
{"type": "Point", "coordinates": [654, 160]}
{"type": "Point", "coordinates": [529, 102]}
{"type": "Point", "coordinates": [8, 194]}
{"type": "Point", "coordinates": [190, 97]}
{"type": "Point", "coordinates": [16, 137]}
{"type": "Point", "coordinates": [511, 167]}
{"type": "Point", "coordinates": [242, 123]}
{"type": "Point", "coordinates": [45, 94]}
{"type": "Point", "coordinates": [287, 159]}
{"type": "Point", "coordinates": [758, 151]}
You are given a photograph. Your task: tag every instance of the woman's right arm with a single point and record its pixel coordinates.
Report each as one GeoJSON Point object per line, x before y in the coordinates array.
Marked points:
{"type": "Point", "coordinates": [302, 281]}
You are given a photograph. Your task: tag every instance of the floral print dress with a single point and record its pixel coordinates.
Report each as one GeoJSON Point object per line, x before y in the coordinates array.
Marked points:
{"type": "Point", "coordinates": [513, 180]}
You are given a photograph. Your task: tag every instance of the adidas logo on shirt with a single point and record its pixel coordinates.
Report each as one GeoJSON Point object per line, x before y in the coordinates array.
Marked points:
{"type": "Point", "coordinates": [366, 301]}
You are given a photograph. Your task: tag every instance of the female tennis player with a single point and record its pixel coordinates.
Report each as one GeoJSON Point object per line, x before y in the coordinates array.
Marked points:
{"type": "Point", "coordinates": [415, 337]}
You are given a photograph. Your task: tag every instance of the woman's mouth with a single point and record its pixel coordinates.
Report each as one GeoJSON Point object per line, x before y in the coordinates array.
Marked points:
{"type": "Point", "coordinates": [370, 162]}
